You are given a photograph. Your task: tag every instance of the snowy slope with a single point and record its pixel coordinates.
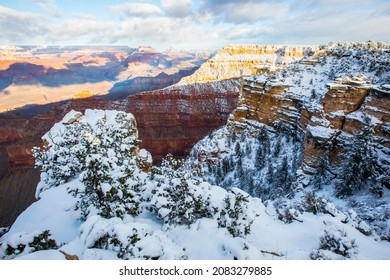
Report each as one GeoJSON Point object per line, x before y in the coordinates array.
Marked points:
{"type": "Point", "coordinates": [269, 236]}
{"type": "Point", "coordinates": [288, 118]}
{"type": "Point", "coordinates": [174, 213]}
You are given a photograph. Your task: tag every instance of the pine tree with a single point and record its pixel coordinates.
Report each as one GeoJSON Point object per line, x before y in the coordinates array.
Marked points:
{"type": "Point", "coordinates": [234, 136]}
{"type": "Point", "coordinates": [277, 147]}
{"type": "Point", "coordinates": [240, 171]}
{"type": "Point", "coordinates": [360, 165]}
{"type": "Point", "coordinates": [248, 149]}
{"type": "Point", "coordinates": [260, 157]}
{"type": "Point", "coordinates": [225, 166]}
{"type": "Point", "coordinates": [270, 174]}
{"type": "Point", "coordinates": [250, 185]}
{"type": "Point", "coordinates": [264, 140]}
{"type": "Point", "coordinates": [103, 157]}
{"type": "Point", "coordinates": [237, 149]}
{"type": "Point", "coordinates": [282, 174]}
{"type": "Point", "coordinates": [321, 171]}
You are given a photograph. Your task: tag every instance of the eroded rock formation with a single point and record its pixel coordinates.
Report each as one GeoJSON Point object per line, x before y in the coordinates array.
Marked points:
{"type": "Point", "coordinates": [320, 100]}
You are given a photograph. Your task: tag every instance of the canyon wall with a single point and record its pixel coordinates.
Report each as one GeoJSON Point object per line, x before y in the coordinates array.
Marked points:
{"type": "Point", "coordinates": [170, 120]}
{"type": "Point", "coordinates": [329, 97]}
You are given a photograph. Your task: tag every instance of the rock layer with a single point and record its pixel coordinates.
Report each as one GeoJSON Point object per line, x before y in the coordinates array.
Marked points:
{"type": "Point", "coordinates": [329, 114]}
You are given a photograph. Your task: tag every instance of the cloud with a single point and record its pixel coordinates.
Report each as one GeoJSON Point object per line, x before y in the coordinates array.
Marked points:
{"type": "Point", "coordinates": [251, 12]}
{"type": "Point", "coordinates": [16, 26]}
{"type": "Point", "coordinates": [126, 10]}
{"type": "Point", "coordinates": [323, 21]}
{"type": "Point", "coordinates": [176, 8]}
{"type": "Point", "coordinates": [87, 29]}
{"type": "Point", "coordinates": [209, 24]}
{"type": "Point", "coordinates": [49, 7]}
{"type": "Point", "coordinates": [245, 11]}
{"type": "Point", "coordinates": [165, 32]}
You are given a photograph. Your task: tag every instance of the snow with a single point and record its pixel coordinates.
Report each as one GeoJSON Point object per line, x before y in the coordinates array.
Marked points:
{"type": "Point", "coordinates": [202, 240]}
{"type": "Point", "coordinates": [361, 117]}
{"type": "Point", "coordinates": [145, 155]}
{"type": "Point", "coordinates": [338, 113]}
{"type": "Point", "coordinates": [40, 215]}
{"type": "Point", "coordinates": [322, 122]}
{"type": "Point", "coordinates": [210, 224]}
{"type": "Point", "coordinates": [43, 255]}
{"type": "Point", "coordinates": [321, 132]}
{"type": "Point", "coordinates": [71, 116]}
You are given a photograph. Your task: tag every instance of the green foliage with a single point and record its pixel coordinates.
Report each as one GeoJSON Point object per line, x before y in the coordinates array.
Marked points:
{"type": "Point", "coordinates": [360, 166]}
{"type": "Point", "coordinates": [43, 242]}
{"type": "Point", "coordinates": [103, 157]}
{"type": "Point", "coordinates": [22, 243]}
{"type": "Point", "coordinates": [334, 243]}
{"type": "Point", "coordinates": [130, 240]}
{"type": "Point", "coordinates": [179, 198]}
{"type": "Point", "coordinates": [232, 215]}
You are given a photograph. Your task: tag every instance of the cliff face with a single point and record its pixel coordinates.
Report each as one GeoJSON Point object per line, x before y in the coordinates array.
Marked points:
{"type": "Point", "coordinates": [329, 110]}
{"type": "Point", "coordinates": [18, 178]}
{"type": "Point", "coordinates": [181, 115]}
{"type": "Point", "coordinates": [170, 120]}
{"type": "Point", "coordinates": [236, 61]}
{"type": "Point", "coordinates": [298, 126]}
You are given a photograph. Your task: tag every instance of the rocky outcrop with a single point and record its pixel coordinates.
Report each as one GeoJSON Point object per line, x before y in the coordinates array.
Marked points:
{"type": "Point", "coordinates": [140, 84]}
{"type": "Point", "coordinates": [346, 95]}
{"type": "Point", "coordinates": [236, 61]}
{"type": "Point", "coordinates": [265, 104]}
{"type": "Point", "coordinates": [328, 112]}
{"type": "Point", "coordinates": [346, 107]}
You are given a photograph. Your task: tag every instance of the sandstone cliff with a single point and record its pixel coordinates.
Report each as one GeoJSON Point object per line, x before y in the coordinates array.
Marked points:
{"type": "Point", "coordinates": [314, 110]}
{"type": "Point", "coordinates": [235, 61]}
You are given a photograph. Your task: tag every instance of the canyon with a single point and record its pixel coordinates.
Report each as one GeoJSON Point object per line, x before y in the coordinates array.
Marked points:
{"type": "Point", "coordinates": [43, 75]}
{"type": "Point", "coordinates": [169, 120]}
{"type": "Point", "coordinates": [302, 88]}
{"type": "Point", "coordinates": [309, 125]}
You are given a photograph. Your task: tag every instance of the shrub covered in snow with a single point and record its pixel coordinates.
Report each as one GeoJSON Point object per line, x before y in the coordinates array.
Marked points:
{"type": "Point", "coordinates": [100, 149]}
{"type": "Point", "coordinates": [289, 210]}
{"type": "Point", "coordinates": [335, 244]}
{"type": "Point", "coordinates": [129, 240]}
{"type": "Point", "coordinates": [371, 217]}
{"type": "Point", "coordinates": [24, 243]}
{"type": "Point", "coordinates": [180, 198]}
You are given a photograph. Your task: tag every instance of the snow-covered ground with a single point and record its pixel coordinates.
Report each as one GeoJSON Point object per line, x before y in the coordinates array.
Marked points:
{"type": "Point", "coordinates": [269, 237]}
{"type": "Point", "coordinates": [176, 215]}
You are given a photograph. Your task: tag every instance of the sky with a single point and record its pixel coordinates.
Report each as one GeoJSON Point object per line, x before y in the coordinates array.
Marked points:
{"type": "Point", "coordinates": [192, 24]}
